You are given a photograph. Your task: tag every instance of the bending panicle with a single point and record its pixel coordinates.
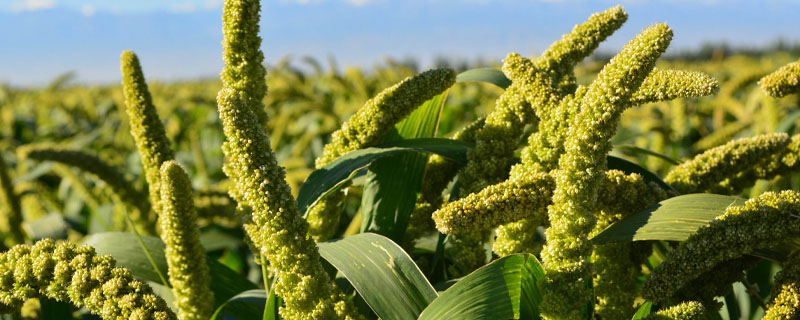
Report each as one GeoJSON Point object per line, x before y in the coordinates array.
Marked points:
{"type": "Point", "coordinates": [783, 81]}
{"type": "Point", "coordinates": [717, 164]}
{"type": "Point", "coordinates": [366, 128]}
{"type": "Point", "coordinates": [580, 169]}
{"type": "Point", "coordinates": [121, 187]}
{"type": "Point", "coordinates": [760, 223]}
{"type": "Point", "coordinates": [662, 85]}
{"type": "Point", "coordinates": [785, 298]}
{"type": "Point", "coordinates": [65, 272]}
{"type": "Point", "coordinates": [691, 310]}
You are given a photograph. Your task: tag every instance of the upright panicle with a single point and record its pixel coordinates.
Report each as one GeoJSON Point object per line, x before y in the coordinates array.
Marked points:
{"type": "Point", "coordinates": [244, 69]}
{"type": "Point", "coordinates": [186, 258]}
{"type": "Point", "coordinates": [561, 57]}
{"type": "Point", "coordinates": [147, 130]}
{"type": "Point", "coordinates": [276, 229]}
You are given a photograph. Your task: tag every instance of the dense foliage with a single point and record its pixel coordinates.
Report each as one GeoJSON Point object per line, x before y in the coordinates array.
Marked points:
{"type": "Point", "coordinates": [548, 187]}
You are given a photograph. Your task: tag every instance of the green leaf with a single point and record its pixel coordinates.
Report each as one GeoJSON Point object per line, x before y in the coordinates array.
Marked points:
{"type": "Point", "coordinates": [630, 167]}
{"type": "Point", "coordinates": [643, 311]}
{"type": "Point", "coordinates": [392, 183]}
{"type": "Point", "coordinates": [488, 75]}
{"type": "Point", "coordinates": [507, 288]}
{"type": "Point", "coordinates": [249, 304]}
{"type": "Point", "coordinates": [125, 249]}
{"type": "Point", "coordinates": [327, 179]}
{"type": "Point", "coordinates": [788, 123]}
{"type": "Point", "coordinates": [632, 150]}
{"type": "Point", "coordinates": [674, 219]}
{"type": "Point", "coordinates": [382, 273]}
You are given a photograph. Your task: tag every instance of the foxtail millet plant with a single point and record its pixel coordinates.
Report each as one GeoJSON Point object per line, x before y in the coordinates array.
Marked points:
{"type": "Point", "coordinates": [186, 259]}
{"type": "Point", "coordinates": [783, 81]}
{"type": "Point", "coordinates": [63, 271]}
{"type": "Point", "coordinates": [495, 142]}
{"type": "Point", "coordinates": [567, 248]}
{"type": "Point", "coordinates": [147, 130]}
{"type": "Point", "coordinates": [277, 229]}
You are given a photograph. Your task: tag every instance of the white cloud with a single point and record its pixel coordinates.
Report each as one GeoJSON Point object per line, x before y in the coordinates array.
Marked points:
{"type": "Point", "coordinates": [185, 7]}
{"type": "Point", "coordinates": [32, 5]}
{"type": "Point", "coordinates": [213, 4]}
{"type": "Point", "coordinates": [359, 3]}
{"type": "Point", "coordinates": [88, 10]}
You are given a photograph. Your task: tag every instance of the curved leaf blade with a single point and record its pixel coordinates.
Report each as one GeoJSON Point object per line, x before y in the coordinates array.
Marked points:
{"type": "Point", "coordinates": [392, 183]}
{"type": "Point", "coordinates": [330, 177]}
{"type": "Point", "coordinates": [382, 273]}
{"type": "Point", "coordinates": [643, 311]}
{"type": "Point", "coordinates": [633, 150]}
{"type": "Point", "coordinates": [488, 75]}
{"type": "Point", "coordinates": [674, 219]}
{"type": "Point", "coordinates": [506, 288]}
{"type": "Point", "coordinates": [249, 304]}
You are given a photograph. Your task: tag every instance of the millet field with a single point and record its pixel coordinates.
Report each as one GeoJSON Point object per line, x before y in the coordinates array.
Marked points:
{"type": "Point", "coordinates": [549, 187]}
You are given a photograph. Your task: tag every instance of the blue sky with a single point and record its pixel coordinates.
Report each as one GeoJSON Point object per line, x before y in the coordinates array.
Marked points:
{"type": "Point", "coordinates": [180, 39]}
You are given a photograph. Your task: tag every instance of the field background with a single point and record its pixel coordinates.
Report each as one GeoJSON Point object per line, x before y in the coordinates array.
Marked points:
{"type": "Point", "coordinates": [307, 100]}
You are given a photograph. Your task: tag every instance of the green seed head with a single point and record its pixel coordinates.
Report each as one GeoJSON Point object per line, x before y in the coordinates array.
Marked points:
{"type": "Point", "coordinates": [783, 81]}
{"type": "Point", "coordinates": [186, 259]}
{"type": "Point", "coordinates": [244, 71]}
{"type": "Point", "coordinates": [63, 271]}
{"type": "Point", "coordinates": [146, 127]}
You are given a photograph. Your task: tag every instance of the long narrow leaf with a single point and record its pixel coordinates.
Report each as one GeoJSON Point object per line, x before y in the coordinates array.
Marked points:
{"type": "Point", "coordinates": [488, 75]}
{"type": "Point", "coordinates": [382, 273]}
{"type": "Point", "coordinates": [507, 288]}
{"type": "Point", "coordinates": [392, 183]}
{"type": "Point", "coordinates": [328, 178]}
{"type": "Point", "coordinates": [674, 219]}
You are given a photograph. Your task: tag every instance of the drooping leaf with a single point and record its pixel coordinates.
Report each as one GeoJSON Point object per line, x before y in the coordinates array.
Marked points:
{"type": "Point", "coordinates": [507, 288]}
{"type": "Point", "coordinates": [488, 75]}
{"type": "Point", "coordinates": [630, 167]}
{"type": "Point", "coordinates": [330, 177]}
{"type": "Point", "coordinates": [382, 273]}
{"type": "Point", "coordinates": [126, 250]}
{"type": "Point", "coordinates": [392, 183]}
{"type": "Point", "coordinates": [788, 123]}
{"type": "Point", "coordinates": [674, 219]}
